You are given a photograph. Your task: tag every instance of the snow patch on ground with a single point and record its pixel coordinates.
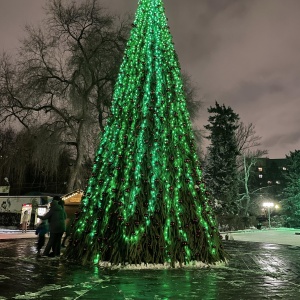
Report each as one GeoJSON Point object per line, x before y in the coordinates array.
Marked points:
{"type": "Point", "coordinates": [83, 288]}
{"type": "Point", "coordinates": [143, 266]}
{"type": "Point", "coordinates": [284, 236]}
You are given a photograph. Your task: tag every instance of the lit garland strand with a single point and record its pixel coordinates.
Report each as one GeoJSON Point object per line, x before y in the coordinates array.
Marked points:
{"type": "Point", "coordinates": [161, 106]}
{"type": "Point", "coordinates": [141, 146]}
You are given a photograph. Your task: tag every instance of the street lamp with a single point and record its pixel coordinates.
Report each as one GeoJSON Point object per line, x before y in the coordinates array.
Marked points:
{"type": "Point", "coordinates": [269, 206]}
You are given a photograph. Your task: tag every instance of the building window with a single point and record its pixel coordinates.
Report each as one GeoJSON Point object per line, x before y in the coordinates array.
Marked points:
{"type": "Point", "coordinates": [260, 176]}
{"type": "Point", "coordinates": [260, 169]}
{"type": "Point", "coordinates": [269, 182]}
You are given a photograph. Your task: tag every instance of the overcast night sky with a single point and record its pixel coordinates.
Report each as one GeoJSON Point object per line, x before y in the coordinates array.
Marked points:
{"type": "Point", "coordinates": [241, 53]}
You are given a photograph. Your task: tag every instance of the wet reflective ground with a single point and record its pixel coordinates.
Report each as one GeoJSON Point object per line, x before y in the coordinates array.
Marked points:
{"type": "Point", "coordinates": [255, 271]}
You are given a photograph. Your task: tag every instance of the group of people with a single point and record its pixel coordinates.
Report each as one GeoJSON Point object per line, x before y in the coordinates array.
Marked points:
{"type": "Point", "coordinates": [54, 222]}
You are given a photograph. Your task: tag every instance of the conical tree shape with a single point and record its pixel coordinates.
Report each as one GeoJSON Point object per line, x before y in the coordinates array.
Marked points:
{"type": "Point", "coordinates": [145, 201]}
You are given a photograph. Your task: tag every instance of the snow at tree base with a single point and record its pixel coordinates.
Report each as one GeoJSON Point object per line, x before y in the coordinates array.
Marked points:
{"type": "Point", "coordinates": [145, 203]}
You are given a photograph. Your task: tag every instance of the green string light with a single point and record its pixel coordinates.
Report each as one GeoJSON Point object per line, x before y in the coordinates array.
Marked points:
{"type": "Point", "coordinates": [141, 205]}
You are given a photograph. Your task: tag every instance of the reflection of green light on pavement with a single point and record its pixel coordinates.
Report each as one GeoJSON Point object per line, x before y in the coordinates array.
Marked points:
{"type": "Point", "coordinates": [207, 279]}
{"type": "Point", "coordinates": [164, 284]}
{"type": "Point", "coordinates": [96, 259]}
{"type": "Point", "coordinates": [96, 270]}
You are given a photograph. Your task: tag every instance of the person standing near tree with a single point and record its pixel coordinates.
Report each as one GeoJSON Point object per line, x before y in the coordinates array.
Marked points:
{"type": "Point", "coordinates": [25, 219]}
{"type": "Point", "coordinates": [41, 231]}
{"type": "Point", "coordinates": [69, 224]}
{"type": "Point", "coordinates": [57, 226]}
{"type": "Point", "coordinates": [62, 204]}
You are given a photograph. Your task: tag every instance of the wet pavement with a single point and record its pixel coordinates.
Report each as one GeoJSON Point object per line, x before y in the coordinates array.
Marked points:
{"type": "Point", "coordinates": [254, 271]}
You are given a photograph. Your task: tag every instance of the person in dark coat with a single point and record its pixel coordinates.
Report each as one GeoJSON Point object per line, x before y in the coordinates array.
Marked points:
{"type": "Point", "coordinates": [62, 204]}
{"type": "Point", "coordinates": [41, 230]}
{"type": "Point", "coordinates": [56, 217]}
{"type": "Point", "coordinates": [69, 224]}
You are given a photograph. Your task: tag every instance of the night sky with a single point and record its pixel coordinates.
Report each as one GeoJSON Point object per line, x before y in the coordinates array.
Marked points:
{"type": "Point", "coordinates": [243, 53]}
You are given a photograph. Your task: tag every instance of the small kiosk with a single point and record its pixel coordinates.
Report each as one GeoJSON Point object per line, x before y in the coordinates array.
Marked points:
{"type": "Point", "coordinates": [72, 202]}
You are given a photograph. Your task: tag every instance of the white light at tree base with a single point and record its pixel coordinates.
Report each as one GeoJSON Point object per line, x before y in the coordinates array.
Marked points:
{"type": "Point", "coordinates": [268, 204]}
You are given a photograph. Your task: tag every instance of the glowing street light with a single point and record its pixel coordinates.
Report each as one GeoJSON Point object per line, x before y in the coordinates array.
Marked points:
{"type": "Point", "coordinates": [269, 206]}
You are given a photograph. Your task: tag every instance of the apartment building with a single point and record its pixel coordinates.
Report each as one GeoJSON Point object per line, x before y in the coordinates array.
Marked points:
{"type": "Point", "coordinates": [268, 177]}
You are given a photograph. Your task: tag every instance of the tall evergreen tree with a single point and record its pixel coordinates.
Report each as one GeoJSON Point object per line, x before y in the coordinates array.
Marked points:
{"type": "Point", "coordinates": [221, 173]}
{"type": "Point", "coordinates": [145, 201]}
{"type": "Point", "coordinates": [291, 201]}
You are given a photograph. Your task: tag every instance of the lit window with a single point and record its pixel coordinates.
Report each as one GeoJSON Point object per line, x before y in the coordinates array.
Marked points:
{"type": "Point", "coordinates": [260, 169]}
{"type": "Point", "coordinates": [260, 176]}
{"type": "Point", "coordinates": [277, 182]}
{"type": "Point", "coordinates": [284, 168]}
{"type": "Point", "coordinates": [269, 182]}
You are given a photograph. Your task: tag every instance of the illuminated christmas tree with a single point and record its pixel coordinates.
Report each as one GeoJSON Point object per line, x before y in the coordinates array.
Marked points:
{"type": "Point", "coordinates": [145, 202]}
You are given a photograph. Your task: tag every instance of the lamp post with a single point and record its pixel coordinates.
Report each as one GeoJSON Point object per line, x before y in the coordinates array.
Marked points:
{"type": "Point", "coordinates": [269, 205]}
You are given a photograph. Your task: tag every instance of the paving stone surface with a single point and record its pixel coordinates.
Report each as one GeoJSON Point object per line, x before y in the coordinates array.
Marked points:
{"type": "Point", "coordinates": [254, 271]}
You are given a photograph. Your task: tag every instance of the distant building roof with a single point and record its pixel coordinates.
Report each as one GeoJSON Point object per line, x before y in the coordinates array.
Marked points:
{"type": "Point", "coordinates": [73, 198]}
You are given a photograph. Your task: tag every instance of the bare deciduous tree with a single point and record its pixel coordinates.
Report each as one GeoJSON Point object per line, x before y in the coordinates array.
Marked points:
{"type": "Point", "coordinates": [248, 142]}
{"type": "Point", "coordinates": [60, 85]}
{"type": "Point", "coordinates": [58, 89]}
